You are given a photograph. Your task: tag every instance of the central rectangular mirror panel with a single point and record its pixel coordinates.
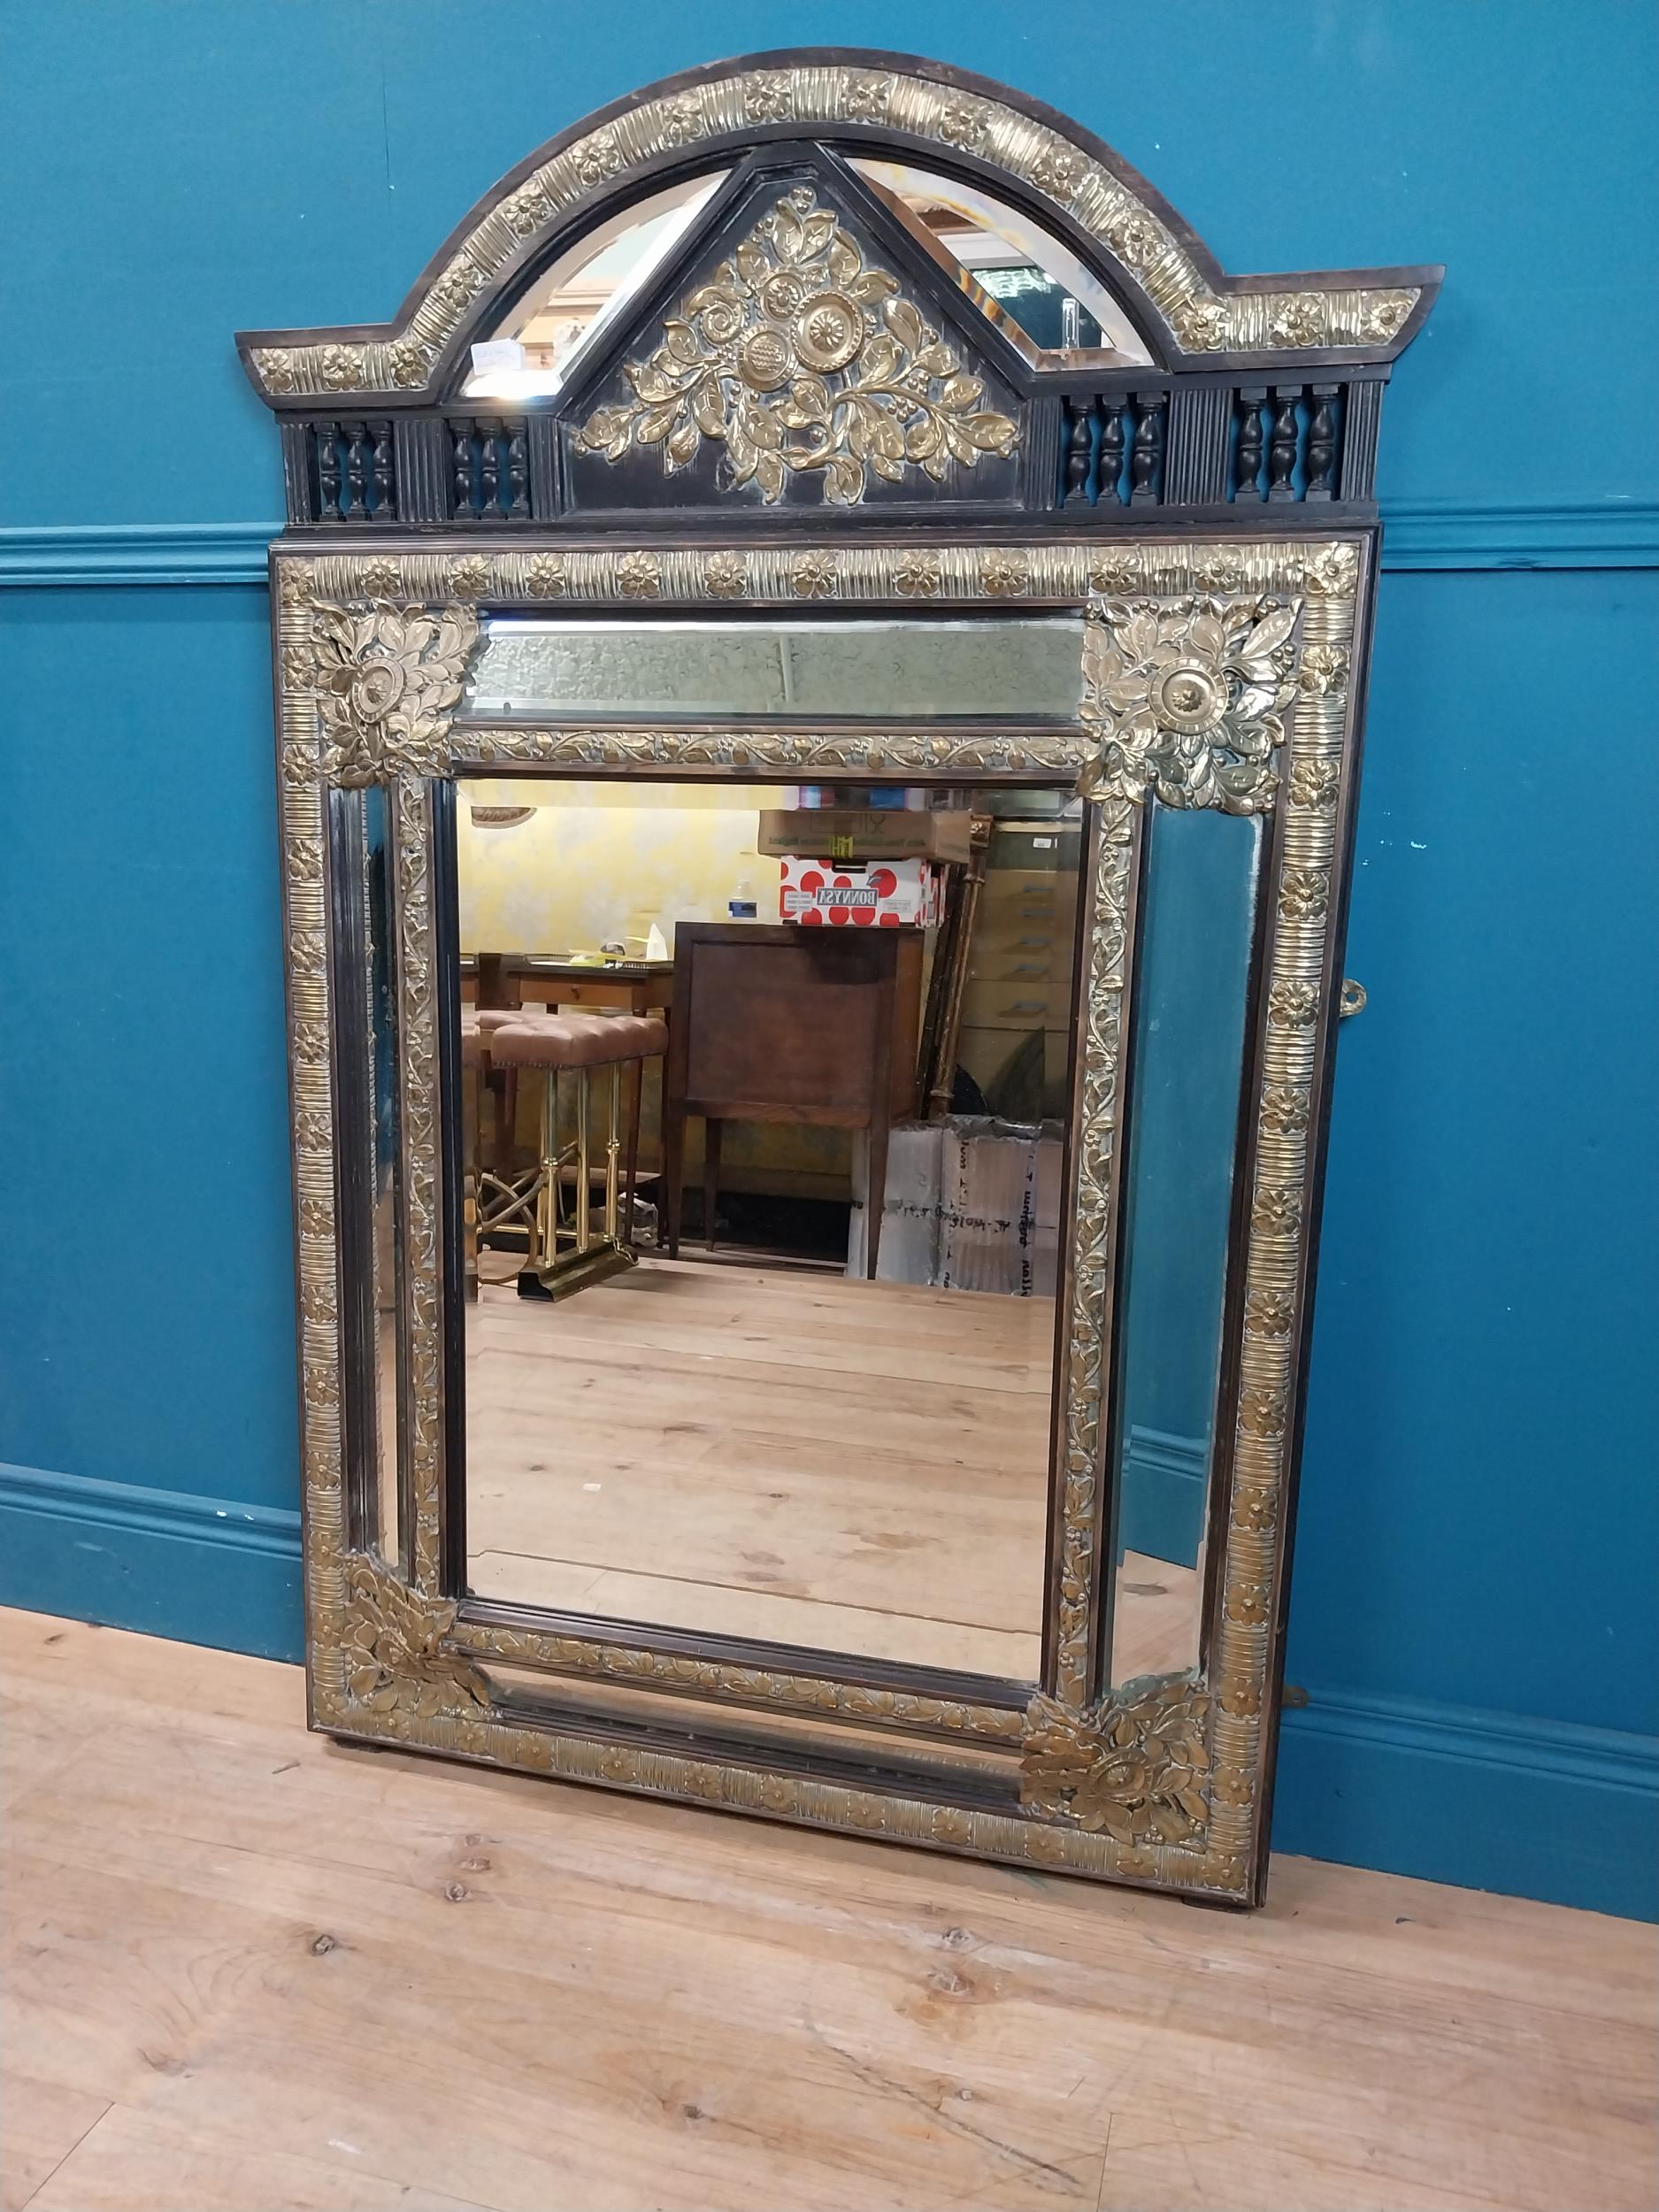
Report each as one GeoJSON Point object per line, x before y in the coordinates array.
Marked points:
{"type": "Point", "coordinates": [759, 1411]}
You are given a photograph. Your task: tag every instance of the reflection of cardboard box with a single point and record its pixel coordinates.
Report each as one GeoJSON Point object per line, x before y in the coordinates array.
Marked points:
{"type": "Point", "coordinates": [884, 894]}
{"type": "Point", "coordinates": [845, 833]}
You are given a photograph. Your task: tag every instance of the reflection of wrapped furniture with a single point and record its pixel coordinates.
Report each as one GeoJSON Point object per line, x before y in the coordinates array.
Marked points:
{"type": "Point", "coordinates": [972, 1203]}
{"type": "Point", "coordinates": [1016, 1024]}
{"type": "Point", "coordinates": [565, 1248]}
{"type": "Point", "coordinates": [776, 1023]}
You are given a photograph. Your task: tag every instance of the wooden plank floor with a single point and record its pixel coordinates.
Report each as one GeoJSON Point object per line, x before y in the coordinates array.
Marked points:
{"type": "Point", "coordinates": [756, 1452]}
{"type": "Point", "coordinates": [245, 1970]}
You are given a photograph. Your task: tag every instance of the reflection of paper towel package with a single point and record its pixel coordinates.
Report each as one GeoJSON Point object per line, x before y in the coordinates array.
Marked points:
{"type": "Point", "coordinates": [850, 894]}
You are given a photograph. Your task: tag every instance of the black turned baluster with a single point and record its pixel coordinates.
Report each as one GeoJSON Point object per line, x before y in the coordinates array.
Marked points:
{"type": "Point", "coordinates": [1246, 474]}
{"type": "Point", "coordinates": [357, 472]}
{"type": "Point", "coordinates": [490, 447]}
{"type": "Point", "coordinates": [463, 469]}
{"type": "Point", "coordinates": [1322, 442]}
{"type": "Point", "coordinates": [383, 471]}
{"type": "Point", "coordinates": [328, 471]}
{"type": "Point", "coordinates": [1111, 452]}
{"type": "Point", "coordinates": [1147, 451]}
{"type": "Point", "coordinates": [517, 472]}
{"type": "Point", "coordinates": [1079, 450]}
{"type": "Point", "coordinates": [1281, 447]}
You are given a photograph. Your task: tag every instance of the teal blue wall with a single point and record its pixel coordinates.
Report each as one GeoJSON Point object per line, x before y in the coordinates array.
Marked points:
{"type": "Point", "coordinates": [1472, 1616]}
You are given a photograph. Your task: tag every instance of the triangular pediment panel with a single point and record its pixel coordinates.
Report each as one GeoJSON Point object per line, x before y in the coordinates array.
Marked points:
{"type": "Point", "coordinates": [803, 352]}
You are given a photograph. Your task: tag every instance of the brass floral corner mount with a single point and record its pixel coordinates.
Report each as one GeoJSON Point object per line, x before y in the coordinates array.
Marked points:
{"type": "Point", "coordinates": [395, 1656]}
{"type": "Point", "coordinates": [1133, 1767]}
{"type": "Point", "coordinates": [386, 681]}
{"type": "Point", "coordinates": [1187, 696]}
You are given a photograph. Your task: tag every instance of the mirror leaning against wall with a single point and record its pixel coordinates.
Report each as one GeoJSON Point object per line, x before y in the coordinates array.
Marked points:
{"type": "Point", "coordinates": [816, 721]}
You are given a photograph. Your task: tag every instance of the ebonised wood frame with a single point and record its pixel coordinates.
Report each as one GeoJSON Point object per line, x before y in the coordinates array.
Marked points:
{"type": "Point", "coordinates": [1223, 665]}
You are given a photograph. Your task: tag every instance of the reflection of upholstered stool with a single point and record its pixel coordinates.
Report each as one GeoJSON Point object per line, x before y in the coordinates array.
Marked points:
{"type": "Point", "coordinates": [507, 1197]}
{"type": "Point", "coordinates": [565, 1250]}
{"type": "Point", "coordinates": [502, 1089]}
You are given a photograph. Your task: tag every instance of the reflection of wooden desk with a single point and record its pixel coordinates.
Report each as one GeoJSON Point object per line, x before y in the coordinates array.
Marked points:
{"type": "Point", "coordinates": [507, 979]}
{"type": "Point", "coordinates": [775, 1022]}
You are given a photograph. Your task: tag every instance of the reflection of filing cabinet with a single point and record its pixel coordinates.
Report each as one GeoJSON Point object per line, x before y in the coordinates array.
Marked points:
{"type": "Point", "coordinates": [1016, 1008]}
{"type": "Point", "coordinates": [781, 1023]}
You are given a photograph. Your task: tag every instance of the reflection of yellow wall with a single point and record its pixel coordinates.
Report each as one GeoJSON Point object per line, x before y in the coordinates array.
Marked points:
{"type": "Point", "coordinates": [606, 860]}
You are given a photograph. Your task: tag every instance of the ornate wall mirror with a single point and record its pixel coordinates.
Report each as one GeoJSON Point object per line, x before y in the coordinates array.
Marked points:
{"type": "Point", "coordinates": [819, 667]}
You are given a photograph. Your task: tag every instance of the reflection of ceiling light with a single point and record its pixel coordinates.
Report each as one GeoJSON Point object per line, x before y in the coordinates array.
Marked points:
{"type": "Point", "coordinates": [500, 371]}
{"type": "Point", "coordinates": [513, 384]}
{"type": "Point", "coordinates": [1008, 284]}
{"type": "Point", "coordinates": [499, 817]}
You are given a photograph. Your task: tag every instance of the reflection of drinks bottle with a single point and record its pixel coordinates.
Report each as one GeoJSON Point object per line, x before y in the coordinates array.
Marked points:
{"type": "Point", "coordinates": [741, 905]}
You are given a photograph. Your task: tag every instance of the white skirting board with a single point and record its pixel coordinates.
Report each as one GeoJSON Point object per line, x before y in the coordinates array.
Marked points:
{"type": "Point", "coordinates": [972, 1203]}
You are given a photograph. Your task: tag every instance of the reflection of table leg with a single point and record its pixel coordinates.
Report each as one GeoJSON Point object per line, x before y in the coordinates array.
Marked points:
{"type": "Point", "coordinates": [710, 1176]}
{"type": "Point", "coordinates": [673, 1167]}
{"type": "Point", "coordinates": [875, 1191]}
{"type": "Point", "coordinates": [636, 1085]}
{"type": "Point", "coordinates": [472, 1080]}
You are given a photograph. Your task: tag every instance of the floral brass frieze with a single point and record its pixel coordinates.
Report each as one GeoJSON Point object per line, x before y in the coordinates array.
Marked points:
{"type": "Point", "coordinates": [800, 358]}
{"type": "Point", "coordinates": [1078, 1517]}
{"type": "Point", "coordinates": [719, 1680]}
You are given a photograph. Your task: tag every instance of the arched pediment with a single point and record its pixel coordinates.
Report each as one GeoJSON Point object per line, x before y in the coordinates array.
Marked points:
{"type": "Point", "coordinates": [1188, 312]}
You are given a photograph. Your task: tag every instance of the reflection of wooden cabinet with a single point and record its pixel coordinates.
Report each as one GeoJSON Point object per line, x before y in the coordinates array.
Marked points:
{"type": "Point", "coordinates": [1017, 1009]}
{"type": "Point", "coordinates": [781, 1023]}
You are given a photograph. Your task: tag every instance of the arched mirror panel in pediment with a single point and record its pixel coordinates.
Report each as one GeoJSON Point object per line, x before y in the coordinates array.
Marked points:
{"type": "Point", "coordinates": [1054, 309]}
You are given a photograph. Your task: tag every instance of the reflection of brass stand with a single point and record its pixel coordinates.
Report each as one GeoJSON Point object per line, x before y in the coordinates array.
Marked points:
{"type": "Point", "coordinates": [567, 1251]}
{"type": "Point", "coordinates": [553, 1204]}
{"type": "Point", "coordinates": [949, 979]}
